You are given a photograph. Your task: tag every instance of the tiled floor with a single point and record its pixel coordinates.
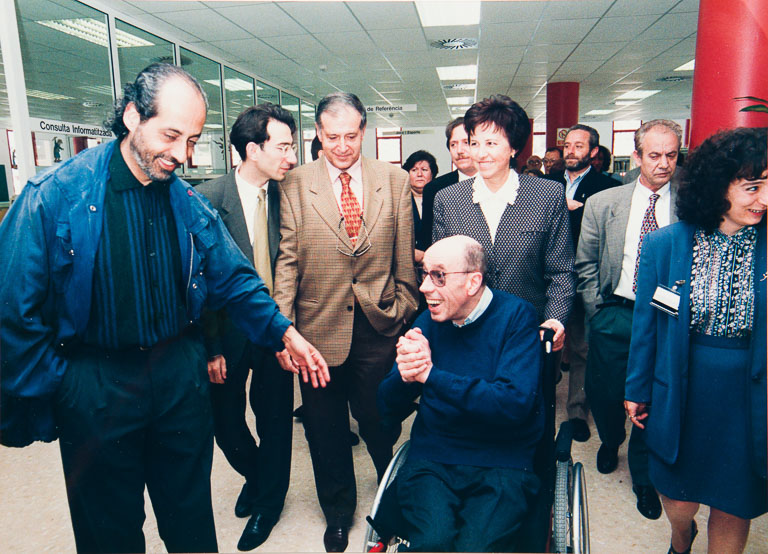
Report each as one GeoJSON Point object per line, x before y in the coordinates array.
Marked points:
{"type": "Point", "coordinates": [34, 515]}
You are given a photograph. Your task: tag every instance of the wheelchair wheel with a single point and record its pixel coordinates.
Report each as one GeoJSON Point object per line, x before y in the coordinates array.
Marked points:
{"type": "Point", "coordinates": [570, 518]}
{"type": "Point", "coordinates": [373, 542]}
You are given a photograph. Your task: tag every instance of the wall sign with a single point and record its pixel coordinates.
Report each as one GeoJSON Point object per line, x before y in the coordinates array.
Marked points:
{"type": "Point", "coordinates": [66, 128]}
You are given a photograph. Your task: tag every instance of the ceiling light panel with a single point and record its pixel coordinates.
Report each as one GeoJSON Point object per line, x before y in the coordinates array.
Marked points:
{"type": "Point", "coordinates": [459, 100]}
{"type": "Point", "coordinates": [637, 94]}
{"type": "Point", "coordinates": [94, 31]}
{"type": "Point", "coordinates": [443, 14]}
{"type": "Point", "coordinates": [687, 66]}
{"type": "Point", "coordinates": [457, 72]}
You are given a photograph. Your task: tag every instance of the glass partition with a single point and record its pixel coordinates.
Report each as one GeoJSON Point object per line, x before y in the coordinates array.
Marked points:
{"type": "Point", "coordinates": [307, 131]}
{"type": "Point", "coordinates": [68, 78]}
{"type": "Point", "coordinates": [208, 159]}
{"type": "Point", "coordinates": [266, 93]}
{"type": "Point", "coordinates": [136, 49]}
{"type": "Point", "coordinates": [238, 95]}
{"type": "Point", "coordinates": [291, 103]}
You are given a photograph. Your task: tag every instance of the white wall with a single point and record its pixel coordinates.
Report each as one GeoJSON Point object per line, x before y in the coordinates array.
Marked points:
{"type": "Point", "coordinates": [431, 139]}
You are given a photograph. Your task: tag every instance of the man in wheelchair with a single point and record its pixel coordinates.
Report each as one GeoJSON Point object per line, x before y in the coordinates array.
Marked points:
{"type": "Point", "coordinates": [475, 360]}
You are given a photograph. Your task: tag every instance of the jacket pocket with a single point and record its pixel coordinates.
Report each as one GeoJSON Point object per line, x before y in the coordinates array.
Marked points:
{"type": "Point", "coordinates": [63, 256]}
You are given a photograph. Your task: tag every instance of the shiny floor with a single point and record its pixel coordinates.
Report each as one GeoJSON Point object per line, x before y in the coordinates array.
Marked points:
{"type": "Point", "coordinates": [34, 515]}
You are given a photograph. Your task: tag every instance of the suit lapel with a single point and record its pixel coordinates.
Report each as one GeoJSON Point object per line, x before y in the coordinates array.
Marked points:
{"type": "Point", "coordinates": [372, 200]}
{"type": "Point", "coordinates": [234, 218]}
{"type": "Point", "coordinates": [273, 220]}
{"type": "Point", "coordinates": [324, 203]}
{"type": "Point", "coordinates": [615, 231]}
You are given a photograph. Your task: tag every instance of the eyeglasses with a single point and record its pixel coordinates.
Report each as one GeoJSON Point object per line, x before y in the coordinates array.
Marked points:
{"type": "Point", "coordinates": [437, 276]}
{"type": "Point", "coordinates": [362, 236]}
{"type": "Point", "coordinates": [285, 148]}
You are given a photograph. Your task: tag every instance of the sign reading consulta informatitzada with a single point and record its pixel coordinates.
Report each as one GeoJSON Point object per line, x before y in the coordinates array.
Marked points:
{"type": "Point", "coordinates": [67, 128]}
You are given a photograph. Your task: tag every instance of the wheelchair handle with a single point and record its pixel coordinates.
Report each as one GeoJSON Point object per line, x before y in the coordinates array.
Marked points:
{"type": "Point", "coordinates": [549, 334]}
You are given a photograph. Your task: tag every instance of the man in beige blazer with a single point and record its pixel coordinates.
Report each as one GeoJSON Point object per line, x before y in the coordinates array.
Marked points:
{"type": "Point", "coordinates": [345, 274]}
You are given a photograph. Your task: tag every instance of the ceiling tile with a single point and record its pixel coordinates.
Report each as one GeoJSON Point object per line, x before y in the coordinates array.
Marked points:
{"type": "Point", "coordinates": [672, 26]}
{"type": "Point", "coordinates": [322, 16]}
{"type": "Point", "coordinates": [400, 40]}
{"type": "Point", "coordinates": [506, 34]}
{"type": "Point", "coordinates": [157, 6]}
{"type": "Point", "coordinates": [263, 20]}
{"type": "Point", "coordinates": [567, 9]}
{"type": "Point", "coordinates": [556, 32]}
{"type": "Point", "coordinates": [620, 28]}
{"type": "Point", "coordinates": [511, 12]}
{"type": "Point", "coordinates": [386, 15]}
{"type": "Point", "coordinates": [204, 24]}
{"type": "Point", "coordinates": [646, 7]}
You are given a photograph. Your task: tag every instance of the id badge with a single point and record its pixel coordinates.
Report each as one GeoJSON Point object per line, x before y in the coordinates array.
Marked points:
{"type": "Point", "coordinates": [667, 299]}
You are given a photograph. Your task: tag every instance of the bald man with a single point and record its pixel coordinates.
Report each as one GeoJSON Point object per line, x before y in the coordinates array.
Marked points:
{"type": "Point", "coordinates": [474, 359]}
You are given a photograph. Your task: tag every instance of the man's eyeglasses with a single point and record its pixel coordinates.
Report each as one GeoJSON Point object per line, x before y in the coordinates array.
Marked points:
{"type": "Point", "coordinates": [437, 276]}
{"type": "Point", "coordinates": [361, 236]}
{"type": "Point", "coordinates": [284, 149]}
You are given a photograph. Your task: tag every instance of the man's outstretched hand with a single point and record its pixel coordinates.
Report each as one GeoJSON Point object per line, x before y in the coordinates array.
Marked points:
{"type": "Point", "coordinates": [302, 358]}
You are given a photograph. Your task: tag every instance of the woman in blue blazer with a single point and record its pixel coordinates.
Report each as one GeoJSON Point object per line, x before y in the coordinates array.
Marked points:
{"type": "Point", "coordinates": [696, 378]}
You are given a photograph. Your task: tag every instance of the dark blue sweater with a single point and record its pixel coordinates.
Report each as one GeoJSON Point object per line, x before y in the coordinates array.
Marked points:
{"type": "Point", "coordinates": [481, 404]}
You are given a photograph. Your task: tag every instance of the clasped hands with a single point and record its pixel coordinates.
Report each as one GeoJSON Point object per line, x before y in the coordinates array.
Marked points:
{"type": "Point", "coordinates": [414, 357]}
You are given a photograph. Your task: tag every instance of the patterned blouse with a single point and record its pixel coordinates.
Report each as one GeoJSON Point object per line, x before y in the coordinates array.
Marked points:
{"type": "Point", "coordinates": [722, 283]}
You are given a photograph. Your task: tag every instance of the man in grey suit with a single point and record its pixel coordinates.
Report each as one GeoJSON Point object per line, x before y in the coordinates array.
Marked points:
{"type": "Point", "coordinates": [248, 201]}
{"type": "Point", "coordinates": [612, 229]}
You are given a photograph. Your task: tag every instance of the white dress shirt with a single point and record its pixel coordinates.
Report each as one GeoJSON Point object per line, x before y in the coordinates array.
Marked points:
{"type": "Point", "coordinates": [641, 198]}
{"type": "Point", "coordinates": [355, 184]}
{"type": "Point", "coordinates": [249, 198]}
{"type": "Point", "coordinates": [492, 203]}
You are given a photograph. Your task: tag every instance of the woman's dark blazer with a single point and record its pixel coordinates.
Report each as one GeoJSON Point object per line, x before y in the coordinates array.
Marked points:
{"type": "Point", "coordinates": [657, 371]}
{"type": "Point", "coordinates": [532, 255]}
{"type": "Point", "coordinates": [416, 218]}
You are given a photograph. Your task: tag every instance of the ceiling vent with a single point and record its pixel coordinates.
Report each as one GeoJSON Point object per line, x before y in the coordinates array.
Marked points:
{"type": "Point", "coordinates": [454, 43]}
{"type": "Point", "coordinates": [674, 78]}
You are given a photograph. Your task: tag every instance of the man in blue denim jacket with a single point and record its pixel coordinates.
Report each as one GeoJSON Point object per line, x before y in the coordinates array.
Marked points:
{"type": "Point", "coordinates": [107, 262]}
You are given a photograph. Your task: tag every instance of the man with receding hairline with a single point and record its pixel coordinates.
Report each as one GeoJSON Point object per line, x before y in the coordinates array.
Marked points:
{"type": "Point", "coordinates": [115, 257]}
{"type": "Point", "coordinates": [614, 224]}
{"type": "Point", "coordinates": [475, 361]}
{"type": "Point", "coordinates": [346, 271]}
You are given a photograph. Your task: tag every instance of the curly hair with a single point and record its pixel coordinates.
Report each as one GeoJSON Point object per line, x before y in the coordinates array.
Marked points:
{"type": "Point", "coordinates": [503, 113]}
{"type": "Point", "coordinates": [421, 156]}
{"type": "Point", "coordinates": [143, 92]}
{"type": "Point", "coordinates": [718, 161]}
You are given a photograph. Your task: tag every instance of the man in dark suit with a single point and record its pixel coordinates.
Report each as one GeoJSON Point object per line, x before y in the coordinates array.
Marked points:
{"type": "Point", "coordinates": [248, 200]}
{"type": "Point", "coordinates": [581, 181]}
{"type": "Point", "coordinates": [458, 145]}
{"type": "Point", "coordinates": [614, 224]}
{"type": "Point", "coordinates": [345, 270]}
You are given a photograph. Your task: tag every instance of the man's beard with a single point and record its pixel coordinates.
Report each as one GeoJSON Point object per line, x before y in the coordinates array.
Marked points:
{"type": "Point", "coordinates": [581, 163]}
{"type": "Point", "coordinates": [146, 159]}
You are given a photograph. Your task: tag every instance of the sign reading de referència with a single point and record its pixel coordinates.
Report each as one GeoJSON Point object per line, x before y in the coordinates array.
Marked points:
{"type": "Point", "coordinates": [392, 108]}
{"type": "Point", "coordinates": [66, 128]}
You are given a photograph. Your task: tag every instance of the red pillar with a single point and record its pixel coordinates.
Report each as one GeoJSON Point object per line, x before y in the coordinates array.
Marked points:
{"type": "Point", "coordinates": [731, 61]}
{"type": "Point", "coordinates": [562, 109]}
{"type": "Point", "coordinates": [527, 150]}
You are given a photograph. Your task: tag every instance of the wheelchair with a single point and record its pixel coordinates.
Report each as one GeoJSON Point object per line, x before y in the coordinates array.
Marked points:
{"type": "Point", "coordinates": [559, 519]}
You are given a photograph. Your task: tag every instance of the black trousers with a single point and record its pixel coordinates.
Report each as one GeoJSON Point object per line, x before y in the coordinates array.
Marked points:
{"type": "Point", "coordinates": [458, 508]}
{"type": "Point", "coordinates": [129, 419]}
{"type": "Point", "coordinates": [352, 388]}
{"type": "Point", "coordinates": [610, 330]}
{"type": "Point", "coordinates": [266, 466]}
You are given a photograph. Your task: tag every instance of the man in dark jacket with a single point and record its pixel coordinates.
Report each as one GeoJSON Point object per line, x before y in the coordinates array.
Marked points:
{"type": "Point", "coordinates": [115, 257]}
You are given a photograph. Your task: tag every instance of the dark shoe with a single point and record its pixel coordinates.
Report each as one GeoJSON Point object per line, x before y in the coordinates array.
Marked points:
{"type": "Point", "coordinates": [256, 531]}
{"type": "Point", "coordinates": [244, 504]}
{"type": "Point", "coordinates": [607, 459]}
{"type": "Point", "coordinates": [580, 430]}
{"type": "Point", "coordinates": [298, 413]}
{"type": "Point", "coordinates": [336, 539]}
{"type": "Point", "coordinates": [648, 502]}
{"type": "Point", "coordinates": [694, 532]}
{"type": "Point", "coordinates": [354, 440]}
{"type": "Point", "coordinates": [565, 367]}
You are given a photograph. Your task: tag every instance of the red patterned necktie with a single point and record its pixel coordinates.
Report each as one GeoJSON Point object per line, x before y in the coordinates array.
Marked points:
{"type": "Point", "coordinates": [649, 224]}
{"type": "Point", "coordinates": [350, 208]}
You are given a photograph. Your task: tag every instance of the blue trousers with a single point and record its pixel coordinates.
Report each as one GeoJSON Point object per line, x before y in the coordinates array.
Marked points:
{"type": "Point", "coordinates": [458, 508]}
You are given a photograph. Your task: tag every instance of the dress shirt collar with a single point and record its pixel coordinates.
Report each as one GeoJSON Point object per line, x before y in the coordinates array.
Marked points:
{"type": "Point", "coordinates": [507, 193]}
{"type": "Point", "coordinates": [482, 305]}
{"type": "Point", "coordinates": [355, 171]}
{"type": "Point", "coordinates": [641, 191]}
{"type": "Point", "coordinates": [242, 182]}
{"type": "Point", "coordinates": [571, 186]}
{"type": "Point", "coordinates": [463, 176]}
